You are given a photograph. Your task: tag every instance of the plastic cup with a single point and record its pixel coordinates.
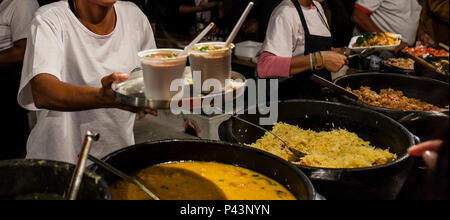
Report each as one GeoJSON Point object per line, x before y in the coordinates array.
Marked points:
{"type": "Point", "coordinates": [160, 69]}
{"type": "Point", "coordinates": [213, 64]}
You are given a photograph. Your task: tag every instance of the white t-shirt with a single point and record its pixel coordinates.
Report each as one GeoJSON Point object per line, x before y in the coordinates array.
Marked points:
{"type": "Point", "coordinates": [61, 45]}
{"type": "Point", "coordinates": [396, 16]}
{"type": "Point", "coordinates": [285, 34]}
{"type": "Point", "coordinates": [15, 19]}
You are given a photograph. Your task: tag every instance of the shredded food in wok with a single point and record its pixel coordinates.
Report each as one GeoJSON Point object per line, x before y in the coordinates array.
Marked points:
{"type": "Point", "coordinates": [333, 149]}
{"type": "Point", "coordinates": [392, 99]}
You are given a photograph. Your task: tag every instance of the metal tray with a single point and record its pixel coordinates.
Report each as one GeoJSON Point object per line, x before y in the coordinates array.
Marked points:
{"type": "Point", "coordinates": [131, 92]}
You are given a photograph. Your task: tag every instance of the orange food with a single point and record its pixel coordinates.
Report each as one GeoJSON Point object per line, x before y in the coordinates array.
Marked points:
{"type": "Point", "coordinates": [421, 51]}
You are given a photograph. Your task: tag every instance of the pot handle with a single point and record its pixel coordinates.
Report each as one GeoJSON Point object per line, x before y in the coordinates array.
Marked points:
{"type": "Point", "coordinates": [81, 165]}
{"type": "Point", "coordinates": [336, 176]}
{"type": "Point", "coordinates": [416, 139]}
{"type": "Point", "coordinates": [319, 197]}
{"type": "Point", "coordinates": [226, 131]}
{"type": "Point", "coordinates": [326, 175]}
{"type": "Point", "coordinates": [420, 116]}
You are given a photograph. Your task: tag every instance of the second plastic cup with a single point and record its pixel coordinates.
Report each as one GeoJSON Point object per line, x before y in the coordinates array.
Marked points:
{"type": "Point", "coordinates": [213, 61]}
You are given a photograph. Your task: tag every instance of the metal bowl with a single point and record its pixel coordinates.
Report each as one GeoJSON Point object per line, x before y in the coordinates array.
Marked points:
{"type": "Point", "coordinates": [46, 180]}
{"type": "Point", "coordinates": [132, 92]}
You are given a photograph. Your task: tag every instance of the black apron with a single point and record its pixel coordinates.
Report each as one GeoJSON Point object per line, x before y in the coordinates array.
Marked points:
{"type": "Point", "coordinates": [300, 86]}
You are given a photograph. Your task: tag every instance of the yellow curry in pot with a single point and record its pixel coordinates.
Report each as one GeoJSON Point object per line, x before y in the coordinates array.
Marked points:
{"type": "Point", "coordinates": [201, 181]}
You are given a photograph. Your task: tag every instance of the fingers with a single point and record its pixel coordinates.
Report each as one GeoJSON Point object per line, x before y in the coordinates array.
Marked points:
{"type": "Point", "coordinates": [141, 112]}
{"type": "Point", "coordinates": [432, 146]}
{"type": "Point", "coordinates": [107, 81]}
{"type": "Point", "coordinates": [342, 60]}
{"type": "Point", "coordinates": [151, 112]}
{"type": "Point", "coordinates": [430, 158]}
{"type": "Point", "coordinates": [334, 61]}
{"type": "Point", "coordinates": [428, 151]}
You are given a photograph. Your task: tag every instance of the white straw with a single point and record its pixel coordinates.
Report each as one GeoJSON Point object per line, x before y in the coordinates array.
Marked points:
{"type": "Point", "coordinates": [197, 39]}
{"type": "Point", "coordinates": [239, 24]}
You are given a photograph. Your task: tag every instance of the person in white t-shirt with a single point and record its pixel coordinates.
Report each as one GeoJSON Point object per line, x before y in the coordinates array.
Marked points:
{"type": "Point", "coordinates": [297, 45]}
{"type": "Point", "coordinates": [15, 20]}
{"type": "Point", "coordinates": [76, 50]}
{"type": "Point", "coordinates": [396, 16]}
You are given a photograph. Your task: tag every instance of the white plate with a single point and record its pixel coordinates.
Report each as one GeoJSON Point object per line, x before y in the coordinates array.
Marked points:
{"type": "Point", "coordinates": [359, 49]}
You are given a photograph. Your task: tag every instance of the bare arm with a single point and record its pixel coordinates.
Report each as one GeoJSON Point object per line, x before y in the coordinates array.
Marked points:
{"type": "Point", "coordinates": [186, 9]}
{"type": "Point", "coordinates": [364, 22]}
{"type": "Point", "coordinates": [13, 55]}
{"type": "Point", "coordinates": [52, 94]}
{"type": "Point", "coordinates": [332, 60]}
{"type": "Point", "coordinates": [300, 64]}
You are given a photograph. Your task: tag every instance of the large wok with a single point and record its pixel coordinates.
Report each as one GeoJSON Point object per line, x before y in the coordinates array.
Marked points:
{"type": "Point", "coordinates": [429, 90]}
{"type": "Point", "coordinates": [141, 156]}
{"type": "Point", "coordinates": [381, 182]}
{"type": "Point", "coordinates": [46, 180]}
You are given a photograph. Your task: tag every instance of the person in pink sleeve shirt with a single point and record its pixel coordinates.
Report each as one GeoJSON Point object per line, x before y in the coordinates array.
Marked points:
{"type": "Point", "coordinates": [298, 44]}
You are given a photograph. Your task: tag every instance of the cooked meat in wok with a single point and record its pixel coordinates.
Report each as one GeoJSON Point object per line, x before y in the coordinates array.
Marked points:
{"type": "Point", "coordinates": [392, 99]}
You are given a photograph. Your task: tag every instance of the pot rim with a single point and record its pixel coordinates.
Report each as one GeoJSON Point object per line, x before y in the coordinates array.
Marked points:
{"type": "Point", "coordinates": [389, 110]}
{"type": "Point", "coordinates": [399, 160]}
{"type": "Point", "coordinates": [98, 180]}
{"type": "Point", "coordinates": [311, 193]}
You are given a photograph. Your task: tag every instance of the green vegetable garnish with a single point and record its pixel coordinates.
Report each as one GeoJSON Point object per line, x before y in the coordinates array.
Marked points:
{"type": "Point", "coordinates": [365, 37]}
{"type": "Point", "coordinates": [205, 48]}
{"type": "Point", "coordinates": [171, 56]}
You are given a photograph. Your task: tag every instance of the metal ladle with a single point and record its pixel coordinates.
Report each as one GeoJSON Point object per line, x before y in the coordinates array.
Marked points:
{"type": "Point", "coordinates": [333, 86]}
{"type": "Point", "coordinates": [122, 175]}
{"type": "Point", "coordinates": [77, 177]}
{"type": "Point", "coordinates": [296, 152]}
{"type": "Point", "coordinates": [365, 53]}
{"type": "Point", "coordinates": [81, 167]}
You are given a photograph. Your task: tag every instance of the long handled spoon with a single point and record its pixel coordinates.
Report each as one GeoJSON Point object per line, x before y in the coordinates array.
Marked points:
{"type": "Point", "coordinates": [334, 87]}
{"type": "Point", "coordinates": [296, 152]}
{"type": "Point", "coordinates": [123, 176]}
{"type": "Point", "coordinates": [77, 177]}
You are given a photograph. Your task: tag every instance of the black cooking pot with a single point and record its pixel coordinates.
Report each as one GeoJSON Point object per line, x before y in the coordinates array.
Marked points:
{"type": "Point", "coordinates": [429, 90]}
{"type": "Point", "coordinates": [46, 180]}
{"type": "Point", "coordinates": [381, 182]}
{"type": "Point", "coordinates": [427, 126]}
{"type": "Point", "coordinates": [142, 156]}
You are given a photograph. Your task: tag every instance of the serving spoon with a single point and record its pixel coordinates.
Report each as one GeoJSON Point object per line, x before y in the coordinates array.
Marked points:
{"type": "Point", "coordinates": [365, 53]}
{"type": "Point", "coordinates": [80, 167]}
{"type": "Point", "coordinates": [122, 175]}
{"type": "Point", "coordinates": [294, 151]}
{"type": "Point", "coordinates": [334, 87]}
